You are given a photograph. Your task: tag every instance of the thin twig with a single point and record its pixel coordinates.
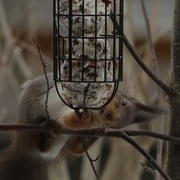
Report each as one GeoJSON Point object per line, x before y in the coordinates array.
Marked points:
{"type": "Point", "coordinates": [149, 35]}
{"type": "Point", "coordinates": [164, 137]}
{"type": "Point", "coordinates": [146, 155]}
{"type": "Point", "coordinates": [154, 63]}
{"type": "Point", "coordinates": [47, 81]}
{"type": "Point", "coordinates": [91, 161]}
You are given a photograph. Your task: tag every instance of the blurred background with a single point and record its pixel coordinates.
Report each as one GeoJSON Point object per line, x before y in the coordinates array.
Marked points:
{"type": "Point", "coordinates": [21, 21]}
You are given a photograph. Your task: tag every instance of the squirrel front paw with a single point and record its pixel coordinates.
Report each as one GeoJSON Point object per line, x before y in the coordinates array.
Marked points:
{"type": "Point", "coordinates": [78, 120]}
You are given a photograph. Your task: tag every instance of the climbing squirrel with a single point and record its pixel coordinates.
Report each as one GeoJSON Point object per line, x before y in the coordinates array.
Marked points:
{"type": "Point", "coordinates": [32, 152]}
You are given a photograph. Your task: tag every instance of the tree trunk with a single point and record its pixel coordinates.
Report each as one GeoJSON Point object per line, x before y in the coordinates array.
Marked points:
{"type": "Point", "coordinates": [174, 100]}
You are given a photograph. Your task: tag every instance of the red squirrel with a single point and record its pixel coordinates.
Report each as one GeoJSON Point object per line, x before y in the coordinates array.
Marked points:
{"type": "Point", "coordinates": [31, 153]}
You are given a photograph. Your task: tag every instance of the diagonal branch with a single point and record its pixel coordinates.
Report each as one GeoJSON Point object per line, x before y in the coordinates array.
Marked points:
{"type": "Point", "coordinates": [138, 59]}
{"type": "Point", "coordinates": [146, 155]}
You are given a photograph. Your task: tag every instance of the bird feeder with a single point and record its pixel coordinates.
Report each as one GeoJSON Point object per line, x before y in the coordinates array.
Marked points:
{"type": "Point", "coordinates": [88, 51]}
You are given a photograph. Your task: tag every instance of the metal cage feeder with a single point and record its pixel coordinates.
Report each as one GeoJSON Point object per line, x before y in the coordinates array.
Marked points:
{"type": "Point", "coordinates": [88, 51]}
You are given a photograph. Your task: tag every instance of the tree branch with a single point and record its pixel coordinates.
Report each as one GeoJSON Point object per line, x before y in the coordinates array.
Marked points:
{"type": "Point", "coordinates": [164, 137]}
{"type": "Point", "coordinates": [101, 132]}
{"type": "Point", "coordinates": [91, 162]}
{"type": "Point", "coordinates": [159, 147]}
{"type": "Point", "coordinates": [151, 46]}
{"type": "Point", "coordinates": [94, 132]}
{"type": "Point", "coordinates": [138, 59]}
{"type": "Point", "coordinates": [20, 127]}
{"type": "Point", "coordinates": [146, 155]}
{"type": "Point", "coordinates": [47, 81]}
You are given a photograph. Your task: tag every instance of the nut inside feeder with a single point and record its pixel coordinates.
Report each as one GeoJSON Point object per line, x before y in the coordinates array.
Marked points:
{"type": "Point", "coordinates": [87, 51]}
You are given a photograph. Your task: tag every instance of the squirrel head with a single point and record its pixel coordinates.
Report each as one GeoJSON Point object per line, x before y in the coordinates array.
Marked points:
{"type": "Point", "coordinates": [123, 111]}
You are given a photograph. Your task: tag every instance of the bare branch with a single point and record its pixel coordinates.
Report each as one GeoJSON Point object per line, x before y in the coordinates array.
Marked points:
{"type": "Point", "coordinates": [146, 155]}
{"type": "Point", "coordinates": [91, 162]}
{"type": "Point", "coordinates": [20, 127]}
{"type": "Point", "coordinates": [101, 132]}
{"type": "Point", "coordinates": [47, 81]}
{"type": "Point", "coordinates": [137, 58]}
{"type": "Point", "coordinates": [164, 137]}
{"type": "Point", "coordinates": [154, 63]}
{"type": "Point", "coordinates": [94, 132]}
{"type": "Point", "coordinates": [152, 50]}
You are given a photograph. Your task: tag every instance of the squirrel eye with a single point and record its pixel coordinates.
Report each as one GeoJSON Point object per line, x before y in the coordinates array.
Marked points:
{"type": "Point", "coordinates": [124, 103]}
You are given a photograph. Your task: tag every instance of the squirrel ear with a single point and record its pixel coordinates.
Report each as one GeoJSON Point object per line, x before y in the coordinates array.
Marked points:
{"type": "Point", "coordinates": [145, 113]}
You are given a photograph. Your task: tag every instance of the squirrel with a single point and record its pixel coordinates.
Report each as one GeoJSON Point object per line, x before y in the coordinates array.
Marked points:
{"type": "Point", "coordinates": [32, 152]}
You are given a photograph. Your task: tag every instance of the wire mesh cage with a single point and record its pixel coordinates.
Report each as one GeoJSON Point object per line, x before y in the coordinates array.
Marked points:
{"type": "Point", "coordinates": [88, 51]}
